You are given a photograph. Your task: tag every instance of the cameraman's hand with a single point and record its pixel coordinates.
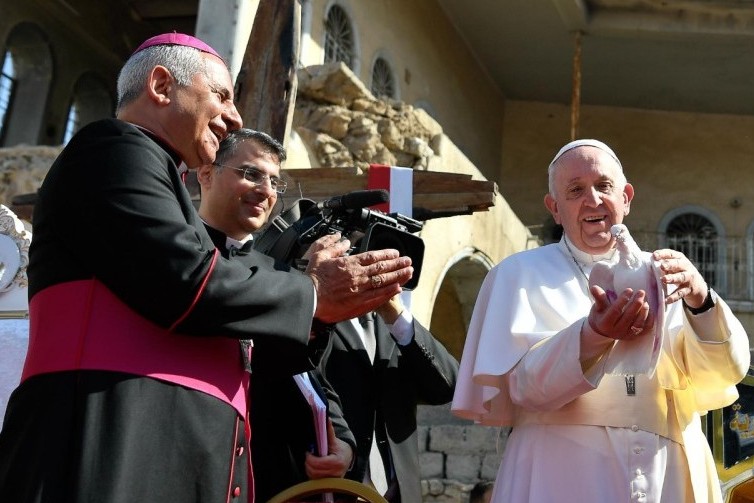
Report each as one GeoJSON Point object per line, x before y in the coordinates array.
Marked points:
{"type": "Point", "coordinates": [325, 241]}
{"type": "Point", "coordinates": [349, 286]}
{"type": "Point", "coordinates": [391, 310]}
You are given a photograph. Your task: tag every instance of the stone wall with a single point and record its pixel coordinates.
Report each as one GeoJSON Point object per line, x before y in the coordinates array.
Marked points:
{"type": "Point", "coordinates": [22, 170]}
{"type": "Point", "coordinates": [342, 124]}
{"type": "Point", "coordinates": [454, 457]}
{"type": "Point", "coordinates": [455, 454]}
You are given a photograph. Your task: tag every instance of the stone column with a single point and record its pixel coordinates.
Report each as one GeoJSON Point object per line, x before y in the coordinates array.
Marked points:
{"type": "Point", "coordinates": [226, 25]}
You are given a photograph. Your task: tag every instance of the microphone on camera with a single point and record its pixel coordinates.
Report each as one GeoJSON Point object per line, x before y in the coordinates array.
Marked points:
{"type": "Point", "coordinates": [356, 200]}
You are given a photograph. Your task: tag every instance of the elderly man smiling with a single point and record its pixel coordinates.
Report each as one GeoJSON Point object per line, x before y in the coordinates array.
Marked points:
{"type": "Point", "coordinates": [540, 336]}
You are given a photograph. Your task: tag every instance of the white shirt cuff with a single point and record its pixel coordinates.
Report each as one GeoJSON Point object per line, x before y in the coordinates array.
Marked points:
{"type": "Point", "coordinates": [403, 328]}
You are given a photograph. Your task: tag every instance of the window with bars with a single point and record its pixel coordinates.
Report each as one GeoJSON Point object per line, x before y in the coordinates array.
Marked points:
{"type": "Point", "coordinates": [72, 123]}
{"type": "Point", "coordinates": [91, 101]}
{"type": "Point", "coordinates": [696, 237]}
{"type": "Point", "coordinates": [7, 86]}
{"type": "Point", "coordinates": [383, 82]}
{"type": "Point", "coordinates": [27, 70]}
{"type": "Point", "coordinates": [339, 41]}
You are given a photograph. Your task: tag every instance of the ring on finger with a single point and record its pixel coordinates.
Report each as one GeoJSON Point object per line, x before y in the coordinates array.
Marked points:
{"type": "Point", "coordinates": [636, 330]}
{"type": "Point", "coordinates": [683, 276]}
{"type": "Point", "coordinates": [376, 281]}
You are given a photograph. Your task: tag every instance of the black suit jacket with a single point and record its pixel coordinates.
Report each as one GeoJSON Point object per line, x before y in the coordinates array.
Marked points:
{"type": "Point", "coordinates": [387, 393]}
{"type": "Point", "coordinates": [282, 431]}
{"type": "Point", "coordinates": [282, 424]}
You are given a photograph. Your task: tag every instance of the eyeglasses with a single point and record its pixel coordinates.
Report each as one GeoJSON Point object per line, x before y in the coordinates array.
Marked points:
{"type": "Point", "coordinates": [256, 177]}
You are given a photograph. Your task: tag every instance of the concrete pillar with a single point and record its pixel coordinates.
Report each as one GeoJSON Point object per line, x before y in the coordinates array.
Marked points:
{"type": "Point", "coordinates": [306, 52]}
{"type": "Point", "coordinates": [226, 25]}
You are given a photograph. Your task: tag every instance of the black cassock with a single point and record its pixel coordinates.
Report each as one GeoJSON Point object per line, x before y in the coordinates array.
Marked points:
{"type": "Point", "coordinates": [381, 397]}
{"type": "Point", "coordinates": [114, 217]}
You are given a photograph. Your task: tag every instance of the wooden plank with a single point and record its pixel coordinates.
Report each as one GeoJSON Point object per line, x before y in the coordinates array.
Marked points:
{"type": "Point", "coordinates": [451, 193]}
{"type": "Point", "coordinates": [427, 182]}
{"type": "Point", "coordinates": [475, 201]}
{"type": "Point", "coordinates": [321, 183]}
{"type": "Point", "coordinates": [424, 181]}
{"type": "Point", "coordinates": [323, 173]}
{"type": "Point", "coordinates": [266, 83]}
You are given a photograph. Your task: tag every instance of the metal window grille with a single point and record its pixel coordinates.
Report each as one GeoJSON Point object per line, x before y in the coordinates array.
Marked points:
{"type": "Point", "coordinates": [731, 272]}
{"type": "Point", "coordinates": [383, 83]}
{"type": "Point", "coordinates": [338, 37]}
{"type": "Point", "coordinates": [696, 237]}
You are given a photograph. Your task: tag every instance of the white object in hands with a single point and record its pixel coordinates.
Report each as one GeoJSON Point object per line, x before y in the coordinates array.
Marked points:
{"type": "Point", "coordinates": [10, 261]}
{"type": "Point", "coordinates": [319, 414]}
{"type": "Point", "coordinates": [636, 270]}
{"type": "Point", "coordinates": [14, 323]}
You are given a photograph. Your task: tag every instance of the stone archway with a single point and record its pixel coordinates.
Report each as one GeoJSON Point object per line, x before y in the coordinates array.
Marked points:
{"type": "Point", "coordinates": [33, 66]}
{"type": "Point", "coordinates": [454, 302]}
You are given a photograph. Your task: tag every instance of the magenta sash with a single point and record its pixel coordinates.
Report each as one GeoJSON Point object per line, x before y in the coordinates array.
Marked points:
{"type": "Point", "coordinates": [82, 325]}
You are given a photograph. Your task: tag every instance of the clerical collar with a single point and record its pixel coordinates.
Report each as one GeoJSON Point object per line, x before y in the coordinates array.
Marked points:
{"type": "Point", "coordinates": [234, 243]}
{"type": "Point", "coordinates": [583, 257]}
{"type": "Point", "coordinates": [162, 142]}
{"type": "Point", "coordinates": [217, 237]}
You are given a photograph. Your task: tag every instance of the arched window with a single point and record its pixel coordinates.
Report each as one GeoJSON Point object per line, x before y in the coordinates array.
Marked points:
{"type": "Point", "coordinates": [383, 82]}
{"type": "Point", "coordinates": [72, 123]}
{"type": "Point", "coordinates": [7, 86]}
{"type": "Point", "coordinates": [696, 237]}
{"type": "Point", "coordinates": [90, 101]}
{"type": "Point", "coordinates": [31, 59]}
{"type": "Point", "coordinates": [697, 234]}
{"type": "Point", "coordinates": [339, 37]}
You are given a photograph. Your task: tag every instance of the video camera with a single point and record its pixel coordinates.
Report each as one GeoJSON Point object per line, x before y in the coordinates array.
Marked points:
{"type": "Point", "coordinates": [288, 235]}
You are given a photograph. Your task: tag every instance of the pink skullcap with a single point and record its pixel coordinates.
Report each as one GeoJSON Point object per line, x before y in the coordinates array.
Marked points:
{"type": "Point", "coordinates": [585, 143]}
{"type": "Point", "coordinates": [177, 39]}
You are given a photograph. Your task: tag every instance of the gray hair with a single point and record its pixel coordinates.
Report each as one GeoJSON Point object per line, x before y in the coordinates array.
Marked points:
{"type": "Point", "coordinates": [267, 143]}
{"type": "Point", "coordinates": [182, 62]}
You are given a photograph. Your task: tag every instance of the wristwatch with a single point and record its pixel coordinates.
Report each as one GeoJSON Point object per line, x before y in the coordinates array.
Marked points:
{"type": "Point", "coordinates": [709, 303]}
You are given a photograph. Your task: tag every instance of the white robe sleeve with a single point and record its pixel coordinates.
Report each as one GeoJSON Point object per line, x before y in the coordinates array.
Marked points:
{"type": "Point", "coordinates": [711, 364]}
{"type": "Point", "coordinates": [513, 312]}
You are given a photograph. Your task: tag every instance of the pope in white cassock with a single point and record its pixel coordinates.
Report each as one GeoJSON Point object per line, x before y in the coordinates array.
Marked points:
{"type": "Point", "coordinates": [541, 348]}
{"type": "Point", "coordinates": [14, 305]}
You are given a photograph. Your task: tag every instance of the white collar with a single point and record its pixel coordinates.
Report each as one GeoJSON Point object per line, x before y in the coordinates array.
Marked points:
{"type": "Point", "coordinates": [583, 257]}
{"type": "Point", "coordinates": [234, 243]}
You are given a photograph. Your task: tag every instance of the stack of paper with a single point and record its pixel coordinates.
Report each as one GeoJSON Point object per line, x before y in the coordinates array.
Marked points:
{"type": "Point", "coordinates": [319, 413]}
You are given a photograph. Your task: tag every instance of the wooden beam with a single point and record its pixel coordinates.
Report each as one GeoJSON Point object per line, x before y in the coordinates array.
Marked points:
{"type": "Point", "coordinates": [576, 87]}
{"type": "Point", "coordinates": [266, 83]}
{"type": "Point", "coordinates": [451, 193]}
